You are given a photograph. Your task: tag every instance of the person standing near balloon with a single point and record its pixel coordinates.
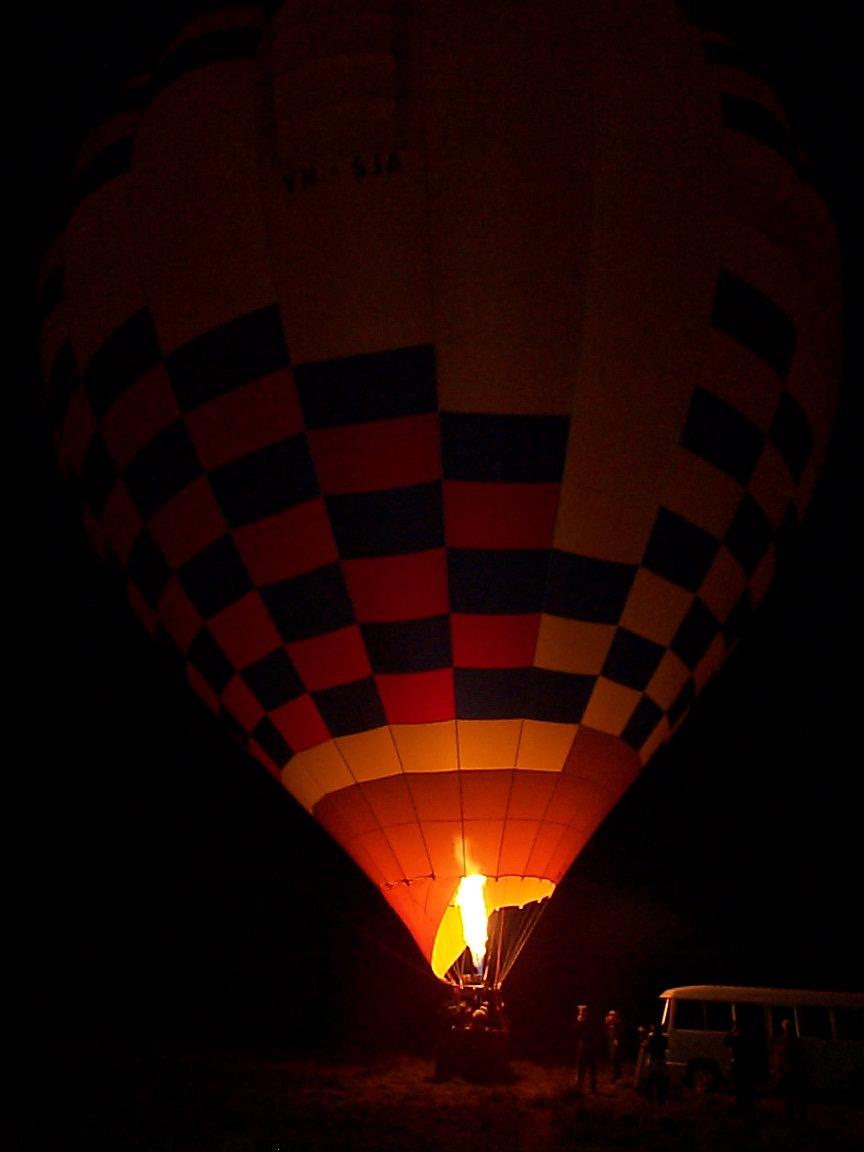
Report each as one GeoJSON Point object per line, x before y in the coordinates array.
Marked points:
{"type": "Point", "coordinates": [588, 1046]}
{"type": "Point", "coordinates": [654, 1050]}
{"type": "Point", "coordinates": [614, 1034]}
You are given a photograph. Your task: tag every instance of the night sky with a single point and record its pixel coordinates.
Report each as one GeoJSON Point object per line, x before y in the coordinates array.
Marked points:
{"type": "Point", "coordinates": [166, 890]}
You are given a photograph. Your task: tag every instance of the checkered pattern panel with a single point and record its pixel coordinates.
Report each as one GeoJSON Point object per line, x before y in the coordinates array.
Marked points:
{"type": "Point", "coordinates": [355, 518]}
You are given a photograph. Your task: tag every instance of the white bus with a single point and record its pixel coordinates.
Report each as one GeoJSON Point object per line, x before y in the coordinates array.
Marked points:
{"type": "Point", "coordinates": [697, 1018]}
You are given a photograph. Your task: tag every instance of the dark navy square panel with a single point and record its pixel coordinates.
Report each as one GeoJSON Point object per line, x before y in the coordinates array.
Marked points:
{"type": "Point", "coordinates": [495, 449]}
{"type": "Point", "coordinates": [375, 386]}
{"type": "Point", "coordinates": [274, 679]}
{"type": "Point", "coordinates": [163, 467]}
{"type": "Point", "coordinates": [98, 474]}
{"type": "Point", "coordinates": [221, 360]}
{"type": "Point", "coordinates": [584, 588]}
{"type": "Point", "coordinates": [129, 352]}
{"type": "Point", "coordinates": [559, 697]}
{"type": "Point", "coordinates": [388, 523]}
{"type": "Point", "coordinates": [738, 620]}
{"type": "Point", "coordinates": [148, 568]}
{"type": "Point", "coordinates": [632, 659]}
{"type": "Point", "coordinates": [63, 382]}
{"type": "Point", "coordinates": [788, 529]}
{"type": "Point", "coordinates": [732, 56]}
{"type": "Point", "coordinates": [755, 321]}
{"type": "Point", "coordinates": [682, 701]}
{"type": "Point", "coordinates": [113, 161]}
{"type": "Point", "coordinates": [206, 655]}
{"type": "Point", "coordinates": [749, 534]}
{"type": "Point", "coordinates": [497, 581]}
{"type": "Point", "coordinates": [265, 482]}
{"type": "Point", "coordinates": [234, 728]}
{"type": "Point", "coordinates": [755, 120]}
{"type": "Point", "coordinates": [695, 633]}
{"type": "Point", "coordinates": [310, 604]}
{"type": "Point", "coordinates": [215, 577]}
{"type": "Point", "coordinates": [721, 435]}
{"type": "Point", "coordinates": [408, 645]}
{"type": "Point", "coordinates": [490, 693]}
{"type": "Point", "coordinates": [221, 44]}
{"type": "Point", "coordinates": [646, 716]}
{"type": "Point", "coordinates": [679, 551]}
{"type": "Point", "coordinates": [272, 741]}
{"type": "Point", "coordinates": [350, 708]}
{"type": "Point", "coordinates": [791, 434]}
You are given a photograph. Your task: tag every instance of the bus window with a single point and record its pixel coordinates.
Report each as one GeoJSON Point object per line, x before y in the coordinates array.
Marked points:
{"type": "Point", "coordinates": [779, 1013]}
{"type": "Point", "coordinates": [718, 1015]}
{"type": "Point", "coordinates": [849, 1023]}
{"type": "Point", "coordinates": [814, 1022]}
{"type": "Point", "coordinates": [689, 1015]}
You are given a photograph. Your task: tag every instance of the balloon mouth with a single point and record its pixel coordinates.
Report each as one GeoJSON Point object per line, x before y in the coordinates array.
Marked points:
{"type": "Point", "coordinates": [471, 941]}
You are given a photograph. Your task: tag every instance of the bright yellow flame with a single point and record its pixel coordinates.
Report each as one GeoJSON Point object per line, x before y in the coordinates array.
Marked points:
{"type": "Point", "coordinates": [472, 907]}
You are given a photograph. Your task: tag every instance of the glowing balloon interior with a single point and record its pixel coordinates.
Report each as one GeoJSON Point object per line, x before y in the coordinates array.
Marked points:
{"type": "Point", "coordinates": [445, 377]}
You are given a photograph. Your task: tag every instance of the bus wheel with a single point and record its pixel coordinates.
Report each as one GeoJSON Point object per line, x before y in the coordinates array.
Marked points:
{"type": "Point", "coordinates": [703, 1079]}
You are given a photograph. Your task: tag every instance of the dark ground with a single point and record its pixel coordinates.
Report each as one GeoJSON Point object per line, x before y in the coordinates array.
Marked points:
{"type": "Point", "coordinates": [256, 1103]}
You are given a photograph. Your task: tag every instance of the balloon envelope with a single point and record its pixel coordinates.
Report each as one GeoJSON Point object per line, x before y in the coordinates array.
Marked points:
{"type": "Point", "coordinates": [446, 377]}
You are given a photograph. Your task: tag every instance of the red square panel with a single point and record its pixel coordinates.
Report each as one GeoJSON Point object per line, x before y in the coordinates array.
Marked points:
{"type": "Point", "coordinates": [288, 544]}
{"type": "Point", "coordinates": [141, 608]}
{"type": "Point", "coordinates": [202, 689]}
{"type": "Point", "coordinates": [241, 703]}
{"type": "Point", "coordinates": [188, 522]}
{"type": "Point", "coordinates": [409, 587]}
{"type": "Point", "coordinates": [139, 414]}
{"type": "Point", "coordinates": [122, 521]}
{"type": "Point", "coordinates": [179, 617]}
{"type": "Point", "coordinates": [494, 641]}
{"type": "Point", "coordinates": [260, 413]}
{"type": "Point", "coordinates": [500, 515]}
{"type": "Point", "coordinates": [300, 723]}
{"type": "Point", "coordinates": [377, 455]}
{"type": "Point", "coordinates": [245, 630]}
{"type": "Point", "coordinates": [417, 697]}
{"type": "Point", "coordinates": [334, 658]}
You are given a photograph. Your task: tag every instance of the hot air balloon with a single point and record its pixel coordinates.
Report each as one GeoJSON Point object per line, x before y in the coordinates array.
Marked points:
{"type": "Point", "coordinates": [446, 379]}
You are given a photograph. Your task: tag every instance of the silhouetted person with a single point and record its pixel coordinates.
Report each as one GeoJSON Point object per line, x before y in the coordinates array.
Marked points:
{"type": "Point", "coordinates": [743, 1054]}
{"type": "Point", "coordinates": [614, 1038]}
{"type": "Point", "coordinates": [793, 1069]}
{"type": "Point", "coordinates": [588, 1031]}
{"type": "Point", "coordinates": [654, 1061]}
